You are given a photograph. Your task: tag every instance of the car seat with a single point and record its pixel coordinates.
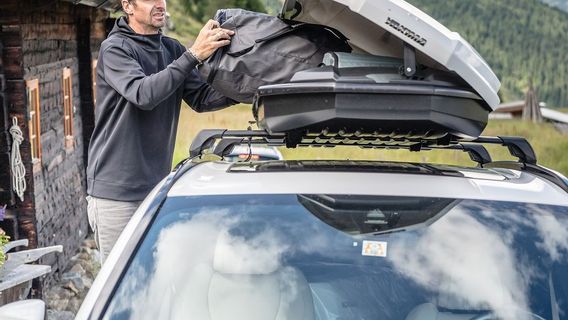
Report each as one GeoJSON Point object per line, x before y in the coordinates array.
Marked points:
{"type": "Point", "coordinates": [224, 289]}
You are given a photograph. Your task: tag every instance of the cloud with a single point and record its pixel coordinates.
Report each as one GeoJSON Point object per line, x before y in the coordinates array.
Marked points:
{"type": "Point", "coordinates": [468, 264]}
{"type": "Point", "coordinates": [201, 258]}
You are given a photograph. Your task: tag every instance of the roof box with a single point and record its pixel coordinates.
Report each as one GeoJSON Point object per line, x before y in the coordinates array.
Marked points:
{"type": "Point", "coordinates": [370, 95]}
{"type": "Point", "coordinates": [408, 78]}
{"type": "Point", "coordinates": [384, 27]}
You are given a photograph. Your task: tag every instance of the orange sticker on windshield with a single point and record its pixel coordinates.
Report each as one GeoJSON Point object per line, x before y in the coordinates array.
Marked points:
{"type": "Point", "coordinates": [374, 248]}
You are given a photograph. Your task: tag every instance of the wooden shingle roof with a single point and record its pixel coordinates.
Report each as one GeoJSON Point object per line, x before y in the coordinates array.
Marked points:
{"type": "Point", "coordinates": [110, 5]}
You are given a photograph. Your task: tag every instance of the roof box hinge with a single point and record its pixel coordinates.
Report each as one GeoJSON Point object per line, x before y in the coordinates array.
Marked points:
{"type": "Point", "coordinates": [409, 60]}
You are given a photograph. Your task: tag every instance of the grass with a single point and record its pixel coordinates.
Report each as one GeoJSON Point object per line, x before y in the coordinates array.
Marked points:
{"type": "Point", "coordinates": [190, 123]}
{"type": "Point", "coordinates": [550, 145]}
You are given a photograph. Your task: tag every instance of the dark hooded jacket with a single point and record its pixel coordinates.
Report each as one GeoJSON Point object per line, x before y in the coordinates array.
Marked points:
{"type": "Point", "coordinates": [141, 80]}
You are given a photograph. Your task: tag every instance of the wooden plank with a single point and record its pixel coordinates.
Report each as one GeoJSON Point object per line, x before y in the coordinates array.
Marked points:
{"type": "Point", "coordinates": [60, 12]}
{"type": "Point", "coordinates": [13, 59]}
{"type": "Point", "coordinates": [4, 146]}
{"type": "Point", "coordinates": [6, 195]}
{"type": "Point", "coordinates": [9, 4]}
{"type": "Point", "coordinates": [23, 273]}
{"type": "Point", "coordinates": [13, 294]}
{"type": "Point", "coordinates": [49, 31]}
{"type": "Point", "coordinates": [27, 228]}
{"type": "Point", "coordinates": [11, 36]}
{"type": "Point", "coordinates": [98, 31]}
{"type": "Point", "coordinates": [9, 12]}
{"type": "Point", "coordinates": [16, 97]}
{"type": "Point", "coordinates": [9, 19]}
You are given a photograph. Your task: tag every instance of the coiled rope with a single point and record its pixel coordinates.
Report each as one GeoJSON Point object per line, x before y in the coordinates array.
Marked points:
{"type": "Point", "coordinates": [18, 169]}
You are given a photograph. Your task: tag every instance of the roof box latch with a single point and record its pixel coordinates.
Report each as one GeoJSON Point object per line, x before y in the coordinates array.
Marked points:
{"type": "Point", "coordinates": [409, 60]}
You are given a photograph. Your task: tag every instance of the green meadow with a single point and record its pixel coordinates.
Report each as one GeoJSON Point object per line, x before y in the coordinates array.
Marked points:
{"type": "Point", "coordinates": [551, 146]}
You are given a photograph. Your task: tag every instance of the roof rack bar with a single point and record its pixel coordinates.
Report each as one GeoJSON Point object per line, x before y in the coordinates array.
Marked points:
{"type": "Point", "coordinates": [477, 152]}
{"type": "Point", "coordinates": [230, 138]}
{"type": "Point", "coordinates": [225, 146]}
{"type": "Point", "coordinates": [518, 147]}
{"type": "Point", "coordinates": [204, 140]}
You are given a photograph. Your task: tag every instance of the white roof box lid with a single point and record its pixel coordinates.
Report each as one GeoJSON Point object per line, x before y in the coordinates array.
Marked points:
{"type": "Point", "coordinates": [380, 27]}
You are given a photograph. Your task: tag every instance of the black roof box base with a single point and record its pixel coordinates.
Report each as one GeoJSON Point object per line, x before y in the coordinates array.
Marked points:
{"type": "Point", "coordinates": [384, 115]}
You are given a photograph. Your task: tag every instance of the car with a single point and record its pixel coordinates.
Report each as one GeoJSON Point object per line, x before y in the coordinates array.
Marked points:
{"type": "Point", "coordinates": [254, 153]}
{"type": "Point", "coordinates": [341, 240]}
{"type": "Point", "coordinates": [349, 239]}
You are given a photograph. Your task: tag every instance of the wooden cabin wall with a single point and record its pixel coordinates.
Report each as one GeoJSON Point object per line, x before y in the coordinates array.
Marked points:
{"type": "Point", "coordinates": [20, 221]}
{"type": "Point", "coordinates": [6, 197]}
{"type": "Point", "coordinates": [49, 36]}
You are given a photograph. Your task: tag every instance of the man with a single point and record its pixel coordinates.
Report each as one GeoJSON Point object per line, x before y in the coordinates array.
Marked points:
{"type": "Point", "coordinates": [142, 76]}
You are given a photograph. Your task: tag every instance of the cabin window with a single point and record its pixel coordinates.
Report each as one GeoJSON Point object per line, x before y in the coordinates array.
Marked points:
{"type": "Point", "coordinates": [32, 88]}
{"type": "Point", "coordinates": [68, 107]}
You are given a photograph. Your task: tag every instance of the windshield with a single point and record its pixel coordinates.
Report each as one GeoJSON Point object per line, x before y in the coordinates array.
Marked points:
{"type": "Point", "coordinates": [348, 257]}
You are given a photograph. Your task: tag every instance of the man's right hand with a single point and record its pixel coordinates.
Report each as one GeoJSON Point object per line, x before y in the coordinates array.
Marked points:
{"type": "Point", "coordinates": [210, 38]}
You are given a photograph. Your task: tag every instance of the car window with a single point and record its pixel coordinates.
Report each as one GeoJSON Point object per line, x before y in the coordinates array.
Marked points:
{"type": "Point", "coordinates": [348, 257]}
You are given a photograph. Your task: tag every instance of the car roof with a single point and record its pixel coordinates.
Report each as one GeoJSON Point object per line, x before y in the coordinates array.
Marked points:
{"type": "Point", "coordinates": [366, 178]}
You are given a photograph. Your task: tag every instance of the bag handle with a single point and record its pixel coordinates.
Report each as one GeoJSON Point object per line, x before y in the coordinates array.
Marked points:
{"type": "Point", "coordinates": [293, 26]}
{"type": "Point", "coordinates": [335, 32]}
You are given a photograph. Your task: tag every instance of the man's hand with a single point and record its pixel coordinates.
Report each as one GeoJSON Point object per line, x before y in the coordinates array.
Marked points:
{"type": "Point", "coordinates": [210, 38]}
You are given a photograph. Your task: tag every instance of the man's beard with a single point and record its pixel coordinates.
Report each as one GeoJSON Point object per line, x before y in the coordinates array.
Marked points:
{"type": "Point", "coordinates": [158, 24]}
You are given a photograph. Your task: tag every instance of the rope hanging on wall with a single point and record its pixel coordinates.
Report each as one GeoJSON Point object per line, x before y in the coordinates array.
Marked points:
{"type": "Point", "coordinates": [18, 169]}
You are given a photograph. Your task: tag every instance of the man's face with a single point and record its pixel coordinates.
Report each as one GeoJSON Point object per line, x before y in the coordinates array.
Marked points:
{"type": "Point", "coordinates": [148, 14]}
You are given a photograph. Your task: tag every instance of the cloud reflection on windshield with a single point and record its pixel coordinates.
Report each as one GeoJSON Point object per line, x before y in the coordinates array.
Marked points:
{"type": "Point", "coordinates": [212, 259]}
{"type": "Point", "coordinates": [468, 264]}
{"type": "Point", "coordinates": [466, 259]}
{"type": "Point", "coordinates": [553, 234]}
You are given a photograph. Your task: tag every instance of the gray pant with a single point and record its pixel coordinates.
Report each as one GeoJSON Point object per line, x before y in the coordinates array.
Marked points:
{"type": "Point", "coordinates": [107, 219]}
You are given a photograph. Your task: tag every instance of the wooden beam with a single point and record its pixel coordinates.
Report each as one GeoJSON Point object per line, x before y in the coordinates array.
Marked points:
{"type": "Point", "coordinates": [16, 97]}
{"type": "Point", "coordinates": [11, 36]}
{"type": "Point", "coordinates": [13, 58]}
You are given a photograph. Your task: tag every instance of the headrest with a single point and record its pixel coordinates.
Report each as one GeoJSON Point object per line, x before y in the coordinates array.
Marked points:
{"type": "Point", "coordinates": [258, 255]}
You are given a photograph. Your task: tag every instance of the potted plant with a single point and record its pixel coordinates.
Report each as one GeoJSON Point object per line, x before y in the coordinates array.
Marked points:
{"type": "Point", "coordinates": [3, 238]}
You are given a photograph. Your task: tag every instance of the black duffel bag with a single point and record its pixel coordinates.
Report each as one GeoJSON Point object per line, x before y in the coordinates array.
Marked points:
{"type": "Point", "coordinates": [266, 50]}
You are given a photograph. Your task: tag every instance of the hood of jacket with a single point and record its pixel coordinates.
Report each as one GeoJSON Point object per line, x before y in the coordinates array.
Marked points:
{"type": "Point", "coordinates": [122, 29]}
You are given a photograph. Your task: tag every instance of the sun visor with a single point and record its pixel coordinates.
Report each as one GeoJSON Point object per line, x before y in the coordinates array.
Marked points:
{"type": "Point", "coordinates": [382, 27]}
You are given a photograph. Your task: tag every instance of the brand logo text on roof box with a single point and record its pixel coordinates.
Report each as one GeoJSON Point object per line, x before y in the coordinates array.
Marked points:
{"type": "Point", "coordinates": [407, 32]}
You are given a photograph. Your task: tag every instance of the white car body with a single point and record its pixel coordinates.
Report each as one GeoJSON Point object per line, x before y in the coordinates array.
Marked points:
{"type": "Point", "coordinates": [223, 178]}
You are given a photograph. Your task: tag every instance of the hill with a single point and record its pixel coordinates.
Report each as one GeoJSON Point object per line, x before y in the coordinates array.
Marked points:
{"type": "Point", "coordinates": [520, 39]}
{"type": "Point", "coordinates": [560, 4]}
{"type": "Point", "coordinates": [186, 28]}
